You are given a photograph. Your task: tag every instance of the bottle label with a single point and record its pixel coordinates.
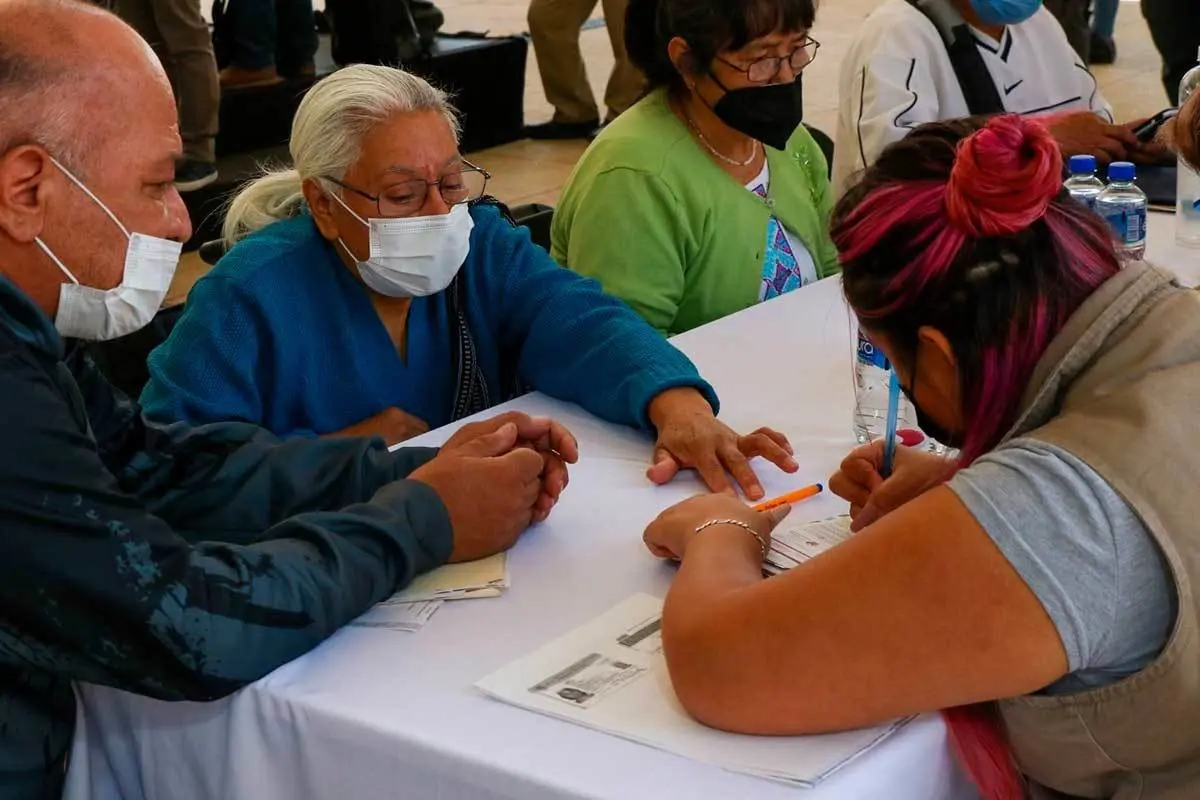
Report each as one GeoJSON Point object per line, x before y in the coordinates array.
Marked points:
{"type": "Point", "coordinates": [869, 354]}
{"type": "Point", "coordinates": [1129, 223]}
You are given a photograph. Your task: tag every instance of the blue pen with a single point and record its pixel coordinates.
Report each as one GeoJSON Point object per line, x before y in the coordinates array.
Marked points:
{"type": "Point", "coordinates": [889, 442]}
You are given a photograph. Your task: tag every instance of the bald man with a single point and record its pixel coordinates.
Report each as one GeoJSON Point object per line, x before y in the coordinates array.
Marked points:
{"type": "Point", "coordinates": [178, 563]}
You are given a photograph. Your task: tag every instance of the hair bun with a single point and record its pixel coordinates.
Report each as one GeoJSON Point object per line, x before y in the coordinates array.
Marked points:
{"type": "Point", "coordinates": [1004, 177]}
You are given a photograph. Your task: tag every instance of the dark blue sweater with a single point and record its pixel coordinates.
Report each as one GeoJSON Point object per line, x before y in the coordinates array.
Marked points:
{"type": "Point", "coordinates": [281, 334]}
{"type": "Point", "coordinates": [176, 562]}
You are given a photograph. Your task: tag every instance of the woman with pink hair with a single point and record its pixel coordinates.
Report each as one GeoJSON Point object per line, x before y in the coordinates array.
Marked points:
{"type": "Point", "coordinates": [1038, 590]}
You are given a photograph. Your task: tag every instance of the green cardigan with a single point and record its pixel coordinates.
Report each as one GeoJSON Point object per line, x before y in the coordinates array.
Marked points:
{"type": "Point", "coordinates": [650, 215]}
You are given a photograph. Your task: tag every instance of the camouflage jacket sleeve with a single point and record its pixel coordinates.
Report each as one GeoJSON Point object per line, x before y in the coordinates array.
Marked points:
{"type": "Point", "coordinates": [97, 584]}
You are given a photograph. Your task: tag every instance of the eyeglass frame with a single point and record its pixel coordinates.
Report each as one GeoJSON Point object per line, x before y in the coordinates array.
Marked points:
{"type": "Point", "coordinates": [808, 40]}
{"type": "Point", "coordinates": [375, 198]}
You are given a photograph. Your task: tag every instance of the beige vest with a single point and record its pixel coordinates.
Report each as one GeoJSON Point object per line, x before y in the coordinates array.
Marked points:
{"type": "Point", "coordinates": [1119, 388]}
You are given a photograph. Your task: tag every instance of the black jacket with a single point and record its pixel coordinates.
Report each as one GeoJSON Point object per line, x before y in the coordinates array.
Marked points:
{"type": "Point", "coordinates": [176, 562]}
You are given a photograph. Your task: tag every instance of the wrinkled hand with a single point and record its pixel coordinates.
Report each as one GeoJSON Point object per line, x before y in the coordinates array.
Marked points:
{"type": "Point", "coordinates": [1084, 133]}
{"type": "Point", "coordinates": [392, 425]}
{"type": "Point", "coordinates": [550, 439]}
{"type": "Point", "coordinates": [690, 437]}
{"type": "Point", "coordinates": [490, 487]}
{"type": "Point", "coordinates": [670, 534]}
{"type": "Point", "coordinates": [871, 496]}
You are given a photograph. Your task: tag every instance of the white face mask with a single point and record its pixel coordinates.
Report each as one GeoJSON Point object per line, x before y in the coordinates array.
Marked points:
{"type": "Point", "coordinates": [85, 312]}
{"type": "Point", "coordinates": [414, 256]}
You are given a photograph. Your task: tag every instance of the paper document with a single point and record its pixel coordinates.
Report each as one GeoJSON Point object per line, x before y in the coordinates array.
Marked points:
{"type": "Point", "coordinates": [398, 616]}
{"type": "Point", "coordinates": [799, 543]}
{"type": "Point", "coordinates": [487, 577]}
{"type": "Point", "coordinates": [610, 675]}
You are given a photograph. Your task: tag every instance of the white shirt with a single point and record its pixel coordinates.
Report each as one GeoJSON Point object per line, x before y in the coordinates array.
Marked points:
{"type": "Point", "coordinates": [805, 271]}
{"type": "Point", "coordinates": [897, 75]}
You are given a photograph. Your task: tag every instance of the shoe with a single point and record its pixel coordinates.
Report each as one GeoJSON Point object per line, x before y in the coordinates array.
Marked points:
{"type": "Point", "coordinates": [192, 175]}
{"type": "Point", "coordinates": [1103, 51]}
{"type": "Point", "coordinates": [241, 78]}
{"type": "Point", "coordinates": [561, 130]}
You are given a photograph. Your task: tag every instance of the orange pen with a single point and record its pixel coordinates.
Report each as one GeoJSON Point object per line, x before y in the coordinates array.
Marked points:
{"type": "Point", "coordinates": [790, 497]}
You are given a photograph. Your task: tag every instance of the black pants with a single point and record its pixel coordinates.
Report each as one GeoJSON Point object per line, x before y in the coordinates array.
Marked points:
{"type": "Point", "coordinates": [1073, 16]}
{"type": "Point", "coordinates": [1175, 28]}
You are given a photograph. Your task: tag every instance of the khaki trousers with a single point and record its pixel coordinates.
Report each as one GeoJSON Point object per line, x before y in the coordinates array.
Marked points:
{"type": "Point", "coordinates": [555, 27]}
{"type": "Point", "coordinates": [180, 37]}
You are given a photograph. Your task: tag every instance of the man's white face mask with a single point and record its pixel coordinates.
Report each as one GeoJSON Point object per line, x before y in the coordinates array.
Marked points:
{"type": "Point", "coordinates": [85, 312]}
{"type": "Point", "coordinates": [413, 256]}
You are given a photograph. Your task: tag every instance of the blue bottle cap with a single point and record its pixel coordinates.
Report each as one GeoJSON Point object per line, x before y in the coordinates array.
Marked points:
{"type": "Point", "coordinates": [1082, 165]}
{"type": "Point", "coordinates": [1121, 171]}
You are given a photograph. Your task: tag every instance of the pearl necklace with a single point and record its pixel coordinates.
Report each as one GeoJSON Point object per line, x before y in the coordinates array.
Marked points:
{"type": "Point", "coordinates": [704, 141]}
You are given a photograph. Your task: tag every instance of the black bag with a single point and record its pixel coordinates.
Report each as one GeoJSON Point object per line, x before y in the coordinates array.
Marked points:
{"type": "Point", "coordinates": [973, 77]}
{"type": "Point", "coordinates": [381, 31]}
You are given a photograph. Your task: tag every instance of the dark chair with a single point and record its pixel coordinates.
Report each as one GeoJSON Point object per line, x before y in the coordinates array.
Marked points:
{"type": "Point", "coordinates": [123, 360]}
{"type": "Point", "coordinates": [824, 142]}
{"type": "Point", "coordinates": [537, 218]}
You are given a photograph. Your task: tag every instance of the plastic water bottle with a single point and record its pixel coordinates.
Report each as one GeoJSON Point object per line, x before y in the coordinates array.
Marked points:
{"type": "Point", "coordinates": [1123, 204]}
{"type": "Point", "coordinates": [1187, 187]}
{"type": "Point", "coordinates": [1083, 184]}
{"type": "Point", "coordinates": [872, 374]}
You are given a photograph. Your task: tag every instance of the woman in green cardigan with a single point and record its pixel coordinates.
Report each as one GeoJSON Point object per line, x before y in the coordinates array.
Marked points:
{"type": "Point", "coordinates": [708, 195]}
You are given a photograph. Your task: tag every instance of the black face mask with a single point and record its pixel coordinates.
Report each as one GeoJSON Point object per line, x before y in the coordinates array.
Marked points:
{"type": "Point", "coordinates": [770, 114]}
{"type": "Point", "coordinates": [930, 428]}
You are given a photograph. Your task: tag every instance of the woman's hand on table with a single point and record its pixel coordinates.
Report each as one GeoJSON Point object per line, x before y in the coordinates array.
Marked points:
{"type": "Point", "coordinates": [691, 437]}
{"type": "Point", "coordinates": [673, 531]}
{"type": "Point", "coordinates": [548, 438]}
{"type": "Point", "coordinates": [392, 425]}
{"type": "Point", "coordinates": [859, 481]}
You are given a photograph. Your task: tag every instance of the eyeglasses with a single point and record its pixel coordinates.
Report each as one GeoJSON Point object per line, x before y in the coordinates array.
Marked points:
{"type": "Point", "coordinates": [405, 198]}
{"type": "Point", "coordinates": [767, 69]}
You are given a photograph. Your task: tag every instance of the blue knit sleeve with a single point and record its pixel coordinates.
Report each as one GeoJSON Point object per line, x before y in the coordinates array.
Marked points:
{"type": "Point", "coordinates": [574, 341]}
{"type": "Point", "coordinates": [208, 370]}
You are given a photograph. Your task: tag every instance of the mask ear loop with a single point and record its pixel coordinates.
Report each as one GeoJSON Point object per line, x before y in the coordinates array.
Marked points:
{"type": "Point", "coordinates": [50, 255]}
{"type": "Point", "coordinates": [349, 211]}
{"type": "Point", "coordinates": [71, 177]}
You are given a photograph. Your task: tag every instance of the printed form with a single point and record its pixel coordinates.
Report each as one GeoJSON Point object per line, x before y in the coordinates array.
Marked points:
{"type": "Point", "coordinates": [610, 675]}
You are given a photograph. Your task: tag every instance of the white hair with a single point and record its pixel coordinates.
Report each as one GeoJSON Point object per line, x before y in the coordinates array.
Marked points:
{"type": "Point", "coordinates": [327, 133]}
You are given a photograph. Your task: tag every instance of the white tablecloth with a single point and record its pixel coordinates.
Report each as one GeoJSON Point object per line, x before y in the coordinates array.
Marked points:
{"type": "Point", "coordinates": [381, 714]}
{"type": "Point", "coordinates": [1162, 251]}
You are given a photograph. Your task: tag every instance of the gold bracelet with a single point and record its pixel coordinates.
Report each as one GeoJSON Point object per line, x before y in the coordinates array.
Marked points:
{"type": "Point", "coordinates": [762, 543]}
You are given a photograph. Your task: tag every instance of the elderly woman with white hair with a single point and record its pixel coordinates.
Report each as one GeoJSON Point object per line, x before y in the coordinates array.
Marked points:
{"type": "Point", "coordinates": [375, 290]}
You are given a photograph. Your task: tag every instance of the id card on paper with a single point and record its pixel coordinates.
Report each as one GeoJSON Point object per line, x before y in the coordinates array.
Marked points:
{"type": "Point", "coordinates": [589, 679]}
{"type": "Point", "coordinates": [800, 543]}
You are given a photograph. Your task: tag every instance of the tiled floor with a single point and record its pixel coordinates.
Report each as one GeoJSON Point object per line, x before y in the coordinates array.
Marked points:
{"type": "Point", "coordinates": [527, 171]}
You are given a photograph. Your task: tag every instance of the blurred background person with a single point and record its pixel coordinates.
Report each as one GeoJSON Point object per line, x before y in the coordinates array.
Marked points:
{"type": "Point", "coordinates": [1072, 15]}
{"type": "Point", "coordinates": [1175, 27]}
{"type": "Point", "coordinates": [1103, 48]}
{"type": "Point", "coordinates": [181, 39]}
{"type": "Point", "coordinates": [269, 40]}
{"type": "Point", "coordinates": [555, 26]}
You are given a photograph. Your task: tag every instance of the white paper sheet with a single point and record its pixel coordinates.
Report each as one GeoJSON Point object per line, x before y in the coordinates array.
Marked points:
{"type": "Point", "coordinates": [409, 617]}
{"type": "Point", "coordinates": [610, 675]}
{"type": "Point", "coordinates": [487, 577]}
